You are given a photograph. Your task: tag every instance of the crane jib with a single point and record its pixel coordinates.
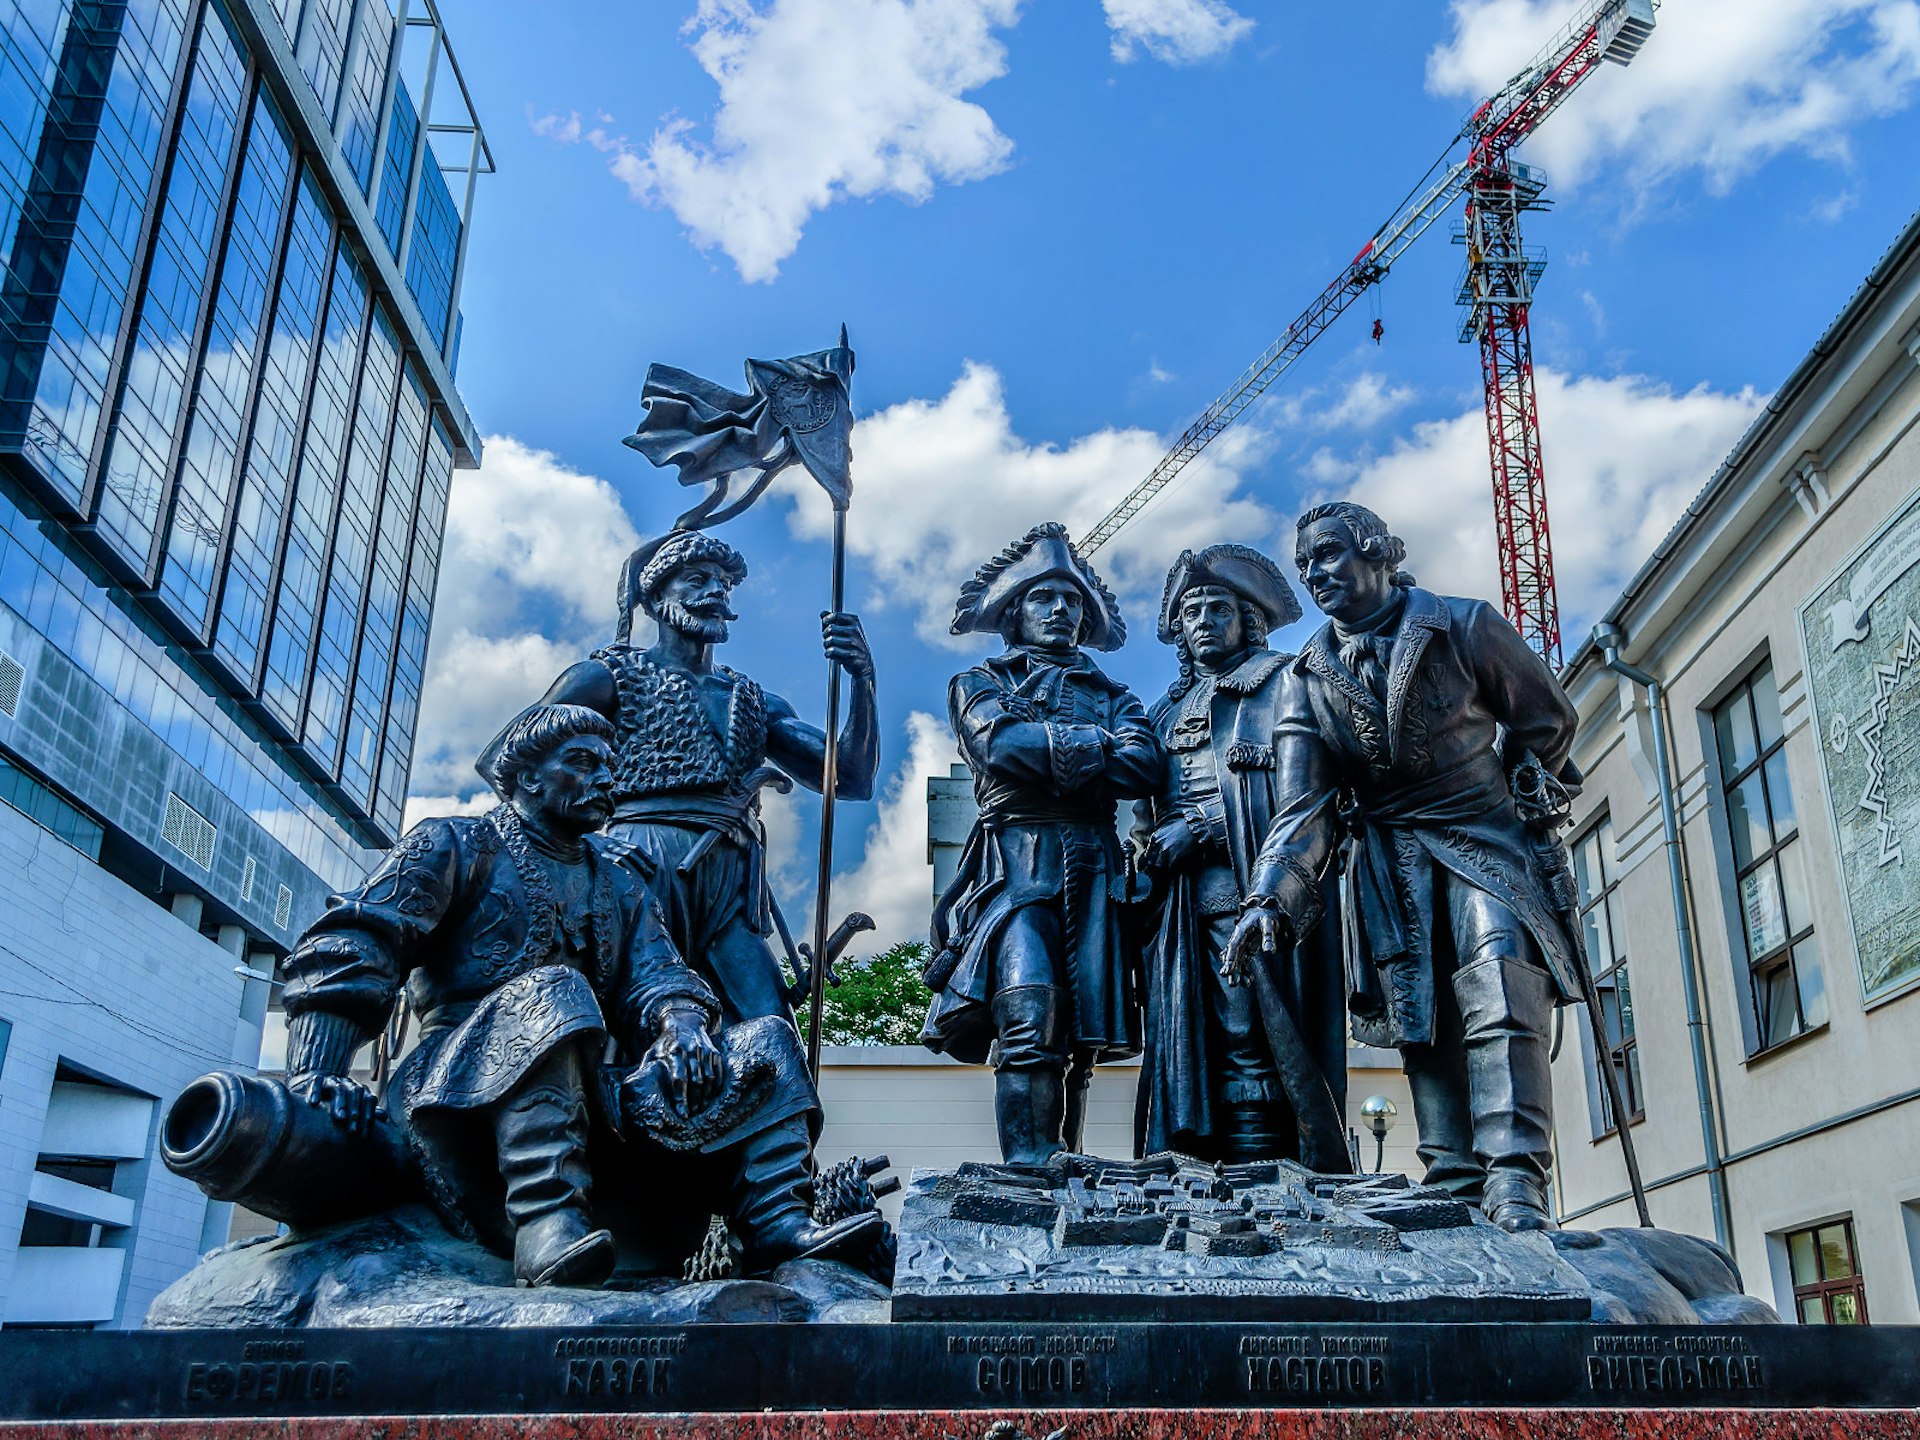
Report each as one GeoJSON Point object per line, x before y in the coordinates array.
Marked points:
{"type": "Point", "coordinates": [1613, 30]}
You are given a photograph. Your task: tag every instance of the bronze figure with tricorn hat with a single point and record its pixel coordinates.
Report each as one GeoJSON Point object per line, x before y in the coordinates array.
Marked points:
{"type": "Point", "coordinates": [1239, 568]}
{"type": "Point", "coordinates": [1043, 553]}
{"type": "Point", "coordinates": [1231, 1072]}
{"type": "Point", "coordinates": [1030, 965]}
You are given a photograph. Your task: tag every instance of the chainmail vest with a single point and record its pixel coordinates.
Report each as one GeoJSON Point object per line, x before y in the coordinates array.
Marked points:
{"type": "Point", "coordinates": [666, 742]}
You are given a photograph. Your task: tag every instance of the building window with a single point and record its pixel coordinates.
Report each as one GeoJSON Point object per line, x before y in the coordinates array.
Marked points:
{"type": "Point", "coordinates": [51, 811]}
{"type": "Point", "coordinates": [1828, 1288]}
{"type": "Point", "coordinates": [1594, 875]}
{"type": "Point", "coordinates": [1770, 864]}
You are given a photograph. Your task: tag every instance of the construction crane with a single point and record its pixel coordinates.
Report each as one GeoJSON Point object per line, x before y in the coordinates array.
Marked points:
{"type": "Point", "coordinates": [1496, 290]}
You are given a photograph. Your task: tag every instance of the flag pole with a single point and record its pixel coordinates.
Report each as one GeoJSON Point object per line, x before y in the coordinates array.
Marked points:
{"type": "Point", "coordinates": [829, 782]}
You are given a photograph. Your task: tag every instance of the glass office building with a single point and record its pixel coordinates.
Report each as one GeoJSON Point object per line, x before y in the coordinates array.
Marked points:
{"type": "Point", "coordinates": [232, 235]}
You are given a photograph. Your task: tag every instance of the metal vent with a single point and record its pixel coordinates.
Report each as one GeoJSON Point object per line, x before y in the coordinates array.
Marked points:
{"type": "Point", "coordinates": [188, 831]}
{"type": "Point", "coordinates": [13, 676]}
{"type": "Point", "coordinates": [283, 907]}
{"type": "Point", "coordinates": [247, 872]}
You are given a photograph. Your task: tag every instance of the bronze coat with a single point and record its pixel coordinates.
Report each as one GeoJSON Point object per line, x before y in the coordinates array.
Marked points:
{"type": "Point", "coordinates": [465, 924]}
{"type": "Point", "coordinates": [1299, 997]}
{"type": "Point", "coordinates": [1052, 750]}
{"type": "Point", "coordinates": [1425, 775]}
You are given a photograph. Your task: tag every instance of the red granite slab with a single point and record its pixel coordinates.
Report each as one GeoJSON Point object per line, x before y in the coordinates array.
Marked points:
{"type": "Point", "coordinates": [1461, 1424]}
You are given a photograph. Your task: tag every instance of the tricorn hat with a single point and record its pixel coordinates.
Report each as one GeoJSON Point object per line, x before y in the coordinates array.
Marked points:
{"type": "Point", "coordinates": [1239, 568]}
{"type": "Point", "coordinates": [1044, 553]}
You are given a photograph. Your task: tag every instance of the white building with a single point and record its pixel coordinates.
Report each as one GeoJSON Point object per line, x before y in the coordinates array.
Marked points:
{"type": "Point", "coordinates": [229, 318]}
{"type": "Point", "coordinates": [1759, 958]}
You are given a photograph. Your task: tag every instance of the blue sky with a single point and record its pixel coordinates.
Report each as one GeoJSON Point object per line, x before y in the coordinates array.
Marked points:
{"type": "Point", "coordinates": [1056, 231]}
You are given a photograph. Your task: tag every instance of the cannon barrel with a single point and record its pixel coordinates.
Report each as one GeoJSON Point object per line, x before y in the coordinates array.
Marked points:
{"type": "Point", "coordinates": [248, 1139]}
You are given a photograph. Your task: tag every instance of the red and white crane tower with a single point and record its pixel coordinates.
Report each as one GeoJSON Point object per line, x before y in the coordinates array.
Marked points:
{"type": "Point", "coordinates": [1496, 290]}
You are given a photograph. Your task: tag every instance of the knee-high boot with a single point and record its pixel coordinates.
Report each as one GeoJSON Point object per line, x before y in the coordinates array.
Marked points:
{"type": "Point", "coordinates": [540, 1136]}
{"type": "Point", "coordinates": [1256, 1130]}
{"type": "Point", "coordinates": [1505, 1010]}
{"type": "Point", "coordinates": [770, 1202]}
{"type": "Point", "coordinates": [1079, 1081]}
{"type": "Point", "coordinates": [1029, 1083]}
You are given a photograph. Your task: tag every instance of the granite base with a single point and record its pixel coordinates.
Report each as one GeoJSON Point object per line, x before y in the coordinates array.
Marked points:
{"type": "Point", "coordinates": [1411, 1424]}
{"type": "Point", "coordinates": [211, 1376]}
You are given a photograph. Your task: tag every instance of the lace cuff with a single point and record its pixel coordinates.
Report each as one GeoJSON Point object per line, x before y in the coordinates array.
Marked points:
{"type": "Point", "coordinates": [319, 1043]}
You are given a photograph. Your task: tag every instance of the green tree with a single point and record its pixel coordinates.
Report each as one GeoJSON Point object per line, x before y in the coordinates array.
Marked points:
{"type": "Point", "coordinates": [879, 1001]}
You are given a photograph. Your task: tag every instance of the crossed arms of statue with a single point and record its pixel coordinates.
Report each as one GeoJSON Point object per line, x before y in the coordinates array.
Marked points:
{"type": "Point", "coordinates": [1002, 739]}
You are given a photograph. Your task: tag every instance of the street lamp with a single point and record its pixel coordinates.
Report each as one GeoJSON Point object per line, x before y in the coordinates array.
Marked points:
{"type": "Point", "coordinates": [1379, 1113]}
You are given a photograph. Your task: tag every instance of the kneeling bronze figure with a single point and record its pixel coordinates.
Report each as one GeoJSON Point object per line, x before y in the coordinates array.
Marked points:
{"type": "Point", "coordinates": [573, 1100]}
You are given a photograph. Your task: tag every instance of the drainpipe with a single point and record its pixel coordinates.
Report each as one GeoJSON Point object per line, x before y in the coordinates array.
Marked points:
{"type": "Point", "coordinates": [1609, 638]}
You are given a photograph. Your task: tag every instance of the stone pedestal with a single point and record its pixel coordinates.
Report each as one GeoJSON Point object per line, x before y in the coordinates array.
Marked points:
{"type": "Point", "coordinates": [1479, 1424]}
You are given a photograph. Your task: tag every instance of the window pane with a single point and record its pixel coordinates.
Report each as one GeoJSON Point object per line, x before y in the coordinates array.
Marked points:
{"type": "Point", "coordinates": [1846, 1308]}
{"type": "Point", "coordinates": [1836, 1260]}
{"type": "Point", "coordinates": [1813, 989]}
{"type": "Point", "coordinates": [1609, 1012]}
{"type": "Point", "coordinates": [1763, 910]}
{"type": "Point", "coordinates": [1792, 861]}
{"type": "Point", "coordinates": [1599, 937]}
{"type": "Point", "coordinates": [1780, 792]}
{"type": "Point", "coordinates": [1738, 743]}
{"type": "Point", "coordinates": [1779, 1012]}
{"type": "Point", "coordinates": [1766, 705]}
{"type": "Point", "coordinates": [1803, 1257]}
{"type": "Point", "coordinates": [1812, 1312]}
{"type": "Point", "coordinates": [1747, 821]}
{"type": "Point", "coordinates": [1631, 1081]}
{"type": "Point", "coordinates": [1586, 867]}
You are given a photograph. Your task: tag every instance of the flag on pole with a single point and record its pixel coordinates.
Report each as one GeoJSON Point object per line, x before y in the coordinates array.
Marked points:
{"type": "Point", "coordinates": [795, 410]}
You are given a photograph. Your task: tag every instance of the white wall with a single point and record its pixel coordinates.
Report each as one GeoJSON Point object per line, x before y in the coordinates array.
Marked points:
{"type": "Point", "coordinates": [924, 1111]}
{"type": "Point", "coordinates": [103, 979]}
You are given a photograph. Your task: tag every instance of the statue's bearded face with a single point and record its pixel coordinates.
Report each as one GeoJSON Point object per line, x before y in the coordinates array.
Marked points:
{"type": "Point", "coordinates": [693, 601]}
{"type": "Point", "coordinates": [570, 788]}
{"type": "Point", "coordinates": [1215, 625]}
{"type": "Point", "coordinates": [1344, 583]}
{"type": "Point", "coordinates": [1051, 613]}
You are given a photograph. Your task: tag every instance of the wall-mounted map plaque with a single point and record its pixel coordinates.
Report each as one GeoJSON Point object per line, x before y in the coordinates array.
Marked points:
{"type": "Point", "coordinates": [1861, 632]}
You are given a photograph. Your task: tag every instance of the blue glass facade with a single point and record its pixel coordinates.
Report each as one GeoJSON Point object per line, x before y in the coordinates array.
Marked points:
{"type": "Point", "coordinates": [227, 426]}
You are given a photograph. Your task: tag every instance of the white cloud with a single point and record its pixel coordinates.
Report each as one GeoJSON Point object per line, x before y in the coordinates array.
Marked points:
{"type": "Point", "coordinates": [1830, 210]}
{"type": "Point", "coordinates": [527, 577]}
{"type": "Point", "coordinates": [1623, 458]}
{"type": "Point", "coordinates": [893, 881]}
{"type": "Point", "coordinates": [524, 522]}
{"type": "Point", "coordinates": [944, 484]}
{"type": "Point", "coordinates": [1721, 86]}
{"type": "Point", "coordinates": [1180, 32]}
{"type": "Point", "coordinates": [474, 685]}
{"type": "Point", "coordinates": [427, 807]}
{"type": "Point", "coordinates": [821, 101]}
{"type": "Point", "coordinates": [562, 129]}
{"type": "Point", "coordinates": [1366, 402]}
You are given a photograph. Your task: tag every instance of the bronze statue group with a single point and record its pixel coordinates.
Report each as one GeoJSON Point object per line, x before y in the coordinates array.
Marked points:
{"type": "Point", "coordinates": [607, 1051]}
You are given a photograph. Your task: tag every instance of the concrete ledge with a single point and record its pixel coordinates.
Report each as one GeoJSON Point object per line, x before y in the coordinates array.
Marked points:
{"type": "Point", "coordinates": [1359, 1057]}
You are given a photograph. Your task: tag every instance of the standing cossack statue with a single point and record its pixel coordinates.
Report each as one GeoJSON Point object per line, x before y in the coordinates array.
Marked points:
{"type": "Point", "coordinates": [1404, 725]}
{"type": "Point", "coordinates": [1029, 959]}
{"type": "Point", "coordinates": [693, 739]}
{"type": "Point", "coordinates": [1233, 1072]}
